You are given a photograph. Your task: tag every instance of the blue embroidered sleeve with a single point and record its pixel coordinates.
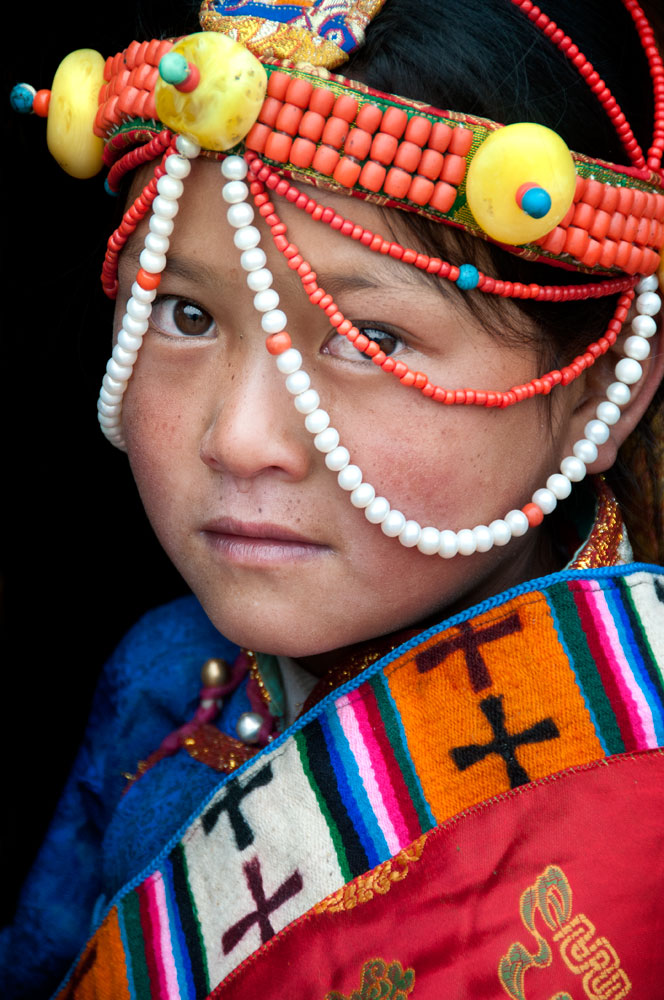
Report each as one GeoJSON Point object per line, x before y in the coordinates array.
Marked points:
{"type": "Point", "coordinates": [147, 689]}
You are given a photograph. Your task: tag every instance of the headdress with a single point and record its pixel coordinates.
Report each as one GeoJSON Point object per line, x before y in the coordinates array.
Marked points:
{"type": "Point", "coordinates": [255, 89]}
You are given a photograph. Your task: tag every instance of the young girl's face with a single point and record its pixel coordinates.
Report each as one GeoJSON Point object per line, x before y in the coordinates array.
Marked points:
{"type": "Point", "coordinates": [237, 494]}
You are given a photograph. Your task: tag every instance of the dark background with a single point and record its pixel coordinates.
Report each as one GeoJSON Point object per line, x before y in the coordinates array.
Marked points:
{"type": "Point", "coordinates": [79, 562]}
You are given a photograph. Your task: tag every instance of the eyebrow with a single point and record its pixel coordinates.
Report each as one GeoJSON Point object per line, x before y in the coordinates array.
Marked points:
{"type": "Point", "coordinates": [379, 278]}
{"type": "Point", "coordinates": [179, 267]}
{"type": "Point", "coordinates": [382, 274]}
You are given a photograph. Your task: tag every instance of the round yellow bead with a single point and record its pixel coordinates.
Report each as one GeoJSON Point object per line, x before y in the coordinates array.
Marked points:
{"type": "Point", "coordinates": [219, 112]}
{"type": "Point", "coordinates": [71, 113]}
{"type": "Point", "coordinates": [510, 157]}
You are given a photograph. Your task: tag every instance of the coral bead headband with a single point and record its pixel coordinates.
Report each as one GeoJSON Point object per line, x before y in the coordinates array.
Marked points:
{"type": "Point", "coordinates": [298, 121]}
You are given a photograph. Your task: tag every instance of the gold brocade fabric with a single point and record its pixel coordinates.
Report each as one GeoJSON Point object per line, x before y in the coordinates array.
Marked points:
{"type": "Point", "coordinates": [607, 543]}
{"type": "Point", "coordinates": [321, 33]}
{"type": "Point", "coordinates": [378, 881]}
{"type": "Point", "coordinates": [218, 750]}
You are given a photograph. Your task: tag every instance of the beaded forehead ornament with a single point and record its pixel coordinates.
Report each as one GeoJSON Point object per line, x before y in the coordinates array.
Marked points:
{"type": "Point", "coordinates": [283, 116]}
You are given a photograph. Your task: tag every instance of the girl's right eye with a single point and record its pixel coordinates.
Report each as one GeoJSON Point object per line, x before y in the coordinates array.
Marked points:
{"type": "Point", "coordinates": [181, 318]}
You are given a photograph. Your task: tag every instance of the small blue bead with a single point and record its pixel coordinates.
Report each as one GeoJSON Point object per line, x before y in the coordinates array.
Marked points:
{"type": "Point", "coordinates": [536, 202]}
{"type": "Point", "coordinates": [21, 98]}
{"type": "Point", "coordinates": [468, 278]}
{"type": "Point", "coordinates": [108, 189]}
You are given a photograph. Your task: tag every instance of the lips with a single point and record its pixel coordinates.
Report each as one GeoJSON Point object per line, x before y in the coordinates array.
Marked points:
{"type": "Point", "coordinates": [259, 542]}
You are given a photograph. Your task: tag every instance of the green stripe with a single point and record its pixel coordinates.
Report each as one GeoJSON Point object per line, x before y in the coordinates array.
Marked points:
{"type": "Point", "coordinates": [641, 636]}
{"type": "Point", "coordinates": [135, 941]}
{"type": "Point", "coordinates": [396, 737]}
{"type": "Point", "coordinates": [300, 741]}
{"type": "Point", "coordinates": [191, 925]}
{"type": "Point", "coordinates": [584, 666]}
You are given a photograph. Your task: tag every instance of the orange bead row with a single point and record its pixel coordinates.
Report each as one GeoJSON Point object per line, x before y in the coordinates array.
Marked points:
{"type": "Point", "coordinates": [130, 81]}
{"type": "Point", "coordinates": [405, 157]}
{"type": "Point", "coordinates": [409, 156]}
{"type": "Point", "coordinates": [609, 227]}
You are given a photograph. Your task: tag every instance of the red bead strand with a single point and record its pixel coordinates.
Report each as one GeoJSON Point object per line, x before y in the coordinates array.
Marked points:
{"type": "Point", "coordinates": [137, 157]}
{"type": "Point", "coordinates": [656, 65]}
{"type": "Point", "coordinates": [542, 385]}
{"type": "Point", "coordinates": [130, 220]}
{"type": "Point", "coordinates": [433, 265]}
{"type": "Point", "coordinates": [585, 68]}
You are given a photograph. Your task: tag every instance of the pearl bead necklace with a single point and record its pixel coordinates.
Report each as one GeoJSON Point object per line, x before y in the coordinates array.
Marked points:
{"type": "Point", "coordinates": [139, 306]}
{"type": "Point", "coordinates": [428, 539]}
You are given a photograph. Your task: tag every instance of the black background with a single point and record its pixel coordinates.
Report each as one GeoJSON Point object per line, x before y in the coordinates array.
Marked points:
{"type": "Point", "coordinates": [79, 562]}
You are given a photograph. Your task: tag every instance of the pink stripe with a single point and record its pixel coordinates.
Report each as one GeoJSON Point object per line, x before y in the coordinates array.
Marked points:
{"type": "Point", "coordinates": [163, 951]}
{"type": "Point", "coordinates": [380, 771]}
{"type": "Point", "coordinates": [351, 729]}
{"type": "Point", "coordinates": [633, 698]}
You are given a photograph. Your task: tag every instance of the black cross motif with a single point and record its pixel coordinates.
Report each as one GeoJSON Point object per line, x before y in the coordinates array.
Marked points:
{"type": "Point", "coordinates": [264, 907]}
{"type": "Point", "coordinates": [469, 641]}
{"type": "Point", "coordinates": [230, 803]}
{"type": "Point", "coordinates": [659, 589]}
{"type": "Point", "coordinates": [504, 743]}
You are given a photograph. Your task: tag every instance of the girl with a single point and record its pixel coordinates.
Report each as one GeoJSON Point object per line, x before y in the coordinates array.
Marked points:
{"type": "Point", "coordinates": [394, 665]}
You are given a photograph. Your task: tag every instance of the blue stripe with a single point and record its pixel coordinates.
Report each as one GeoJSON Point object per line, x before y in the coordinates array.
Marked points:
{"type": "Point", "coordinates": [347, 796]}
{"type": "Point", "coordinates": [352, 773]}
{"type": "Point", "coordinates": [186, 987]}
{"type": "Point", "coordinates": [635, 659]}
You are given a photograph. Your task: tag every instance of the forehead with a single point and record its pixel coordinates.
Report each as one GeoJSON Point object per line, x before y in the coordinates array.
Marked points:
{"type": "Point", "coordinates": [202, 240]}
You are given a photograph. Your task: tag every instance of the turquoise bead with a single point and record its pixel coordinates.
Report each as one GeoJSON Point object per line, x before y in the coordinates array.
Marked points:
{"type": "Point", "coordinates": [468, 278]}
{"type": "Point", "coordinates": [536, 202]}
{"type": "Point", "coordinates": [21, 98]}
{"type": "Point", "coordinates": [173, 68]}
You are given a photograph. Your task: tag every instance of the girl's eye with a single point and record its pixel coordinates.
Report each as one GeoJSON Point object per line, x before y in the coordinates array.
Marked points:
{"type": "Point", "coordinates": [181, 318]}
{"type": "Point", "coordinates": [340, 347]}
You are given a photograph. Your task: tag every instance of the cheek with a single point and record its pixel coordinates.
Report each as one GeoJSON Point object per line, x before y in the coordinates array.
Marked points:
{"type": "Point", "coordinates": [158, 432]}
{"type": "Point", "coordinates": [451, 465]}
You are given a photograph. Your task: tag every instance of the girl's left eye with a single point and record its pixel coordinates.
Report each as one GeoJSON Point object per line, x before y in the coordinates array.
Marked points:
{"type": "Point", "coordinates": [339, 346]}
{"type": "Point", "coordinates": [181, 318]}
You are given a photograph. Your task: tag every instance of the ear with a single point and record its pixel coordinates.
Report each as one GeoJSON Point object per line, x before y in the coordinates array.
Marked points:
{"type": "Point", "coordinates": [597, 380]}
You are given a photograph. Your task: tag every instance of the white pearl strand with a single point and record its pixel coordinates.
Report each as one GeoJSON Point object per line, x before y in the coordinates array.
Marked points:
{"type": "Point", "coordinates": [139, 306]}
{"type": "Point", "coordinates": [377, 510]}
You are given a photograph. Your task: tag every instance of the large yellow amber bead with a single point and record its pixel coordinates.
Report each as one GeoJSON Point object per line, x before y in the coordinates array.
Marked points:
{"type": "Point", "coordinates": [226, 102]}
{"type": "Point", "coordinates": [71, 113]}
{"type": "Point", "coordinates": [510, 157]}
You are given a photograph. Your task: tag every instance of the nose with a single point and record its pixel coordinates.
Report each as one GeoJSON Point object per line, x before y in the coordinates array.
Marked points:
{"type": "Point", "coordinates": [253, 428]}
